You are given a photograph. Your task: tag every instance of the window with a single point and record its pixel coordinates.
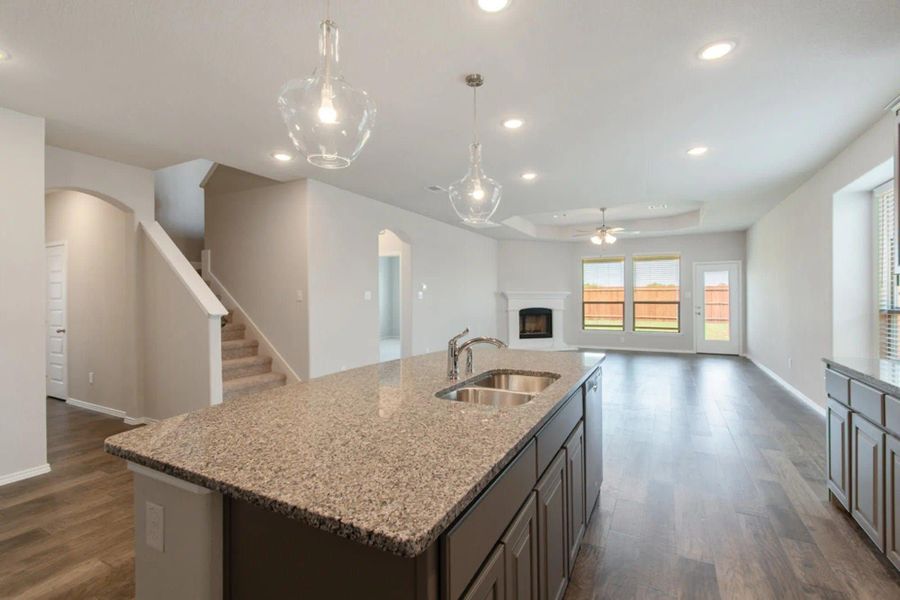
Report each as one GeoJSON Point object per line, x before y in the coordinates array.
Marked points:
{"type": "Point", "coordinates": [888, 308]}
{"type": "Point", "coordinates": [603, 294]}
{"type": "Point", "coordinates": [657, 295]}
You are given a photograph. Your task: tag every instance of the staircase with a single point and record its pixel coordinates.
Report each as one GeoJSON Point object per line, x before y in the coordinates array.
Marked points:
{"type": "Point", "coordinates": [244, 371]}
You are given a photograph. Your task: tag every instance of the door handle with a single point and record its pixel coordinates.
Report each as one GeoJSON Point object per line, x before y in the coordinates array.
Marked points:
{"type": "Point", "coordinates": [60, 331]}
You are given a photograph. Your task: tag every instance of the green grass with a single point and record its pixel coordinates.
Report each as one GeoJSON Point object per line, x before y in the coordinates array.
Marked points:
{"type": "Point", "coordinates": [716, 331]}
{"type": "Point", "coordinates": [654, 326]}
{"type": "Point", "coordinates": [603, 324]}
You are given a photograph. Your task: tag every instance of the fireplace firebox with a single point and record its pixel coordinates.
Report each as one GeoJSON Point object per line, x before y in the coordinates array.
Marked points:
{"type": "Point", "coordinates": [535, 323]}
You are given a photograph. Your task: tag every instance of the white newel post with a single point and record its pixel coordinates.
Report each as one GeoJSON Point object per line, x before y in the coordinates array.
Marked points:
{"type": "Point", "coordinates": [554, 301]}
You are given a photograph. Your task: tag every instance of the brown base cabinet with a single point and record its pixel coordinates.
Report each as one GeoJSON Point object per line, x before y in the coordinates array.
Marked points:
{"type": "Point", "coordinates": [863, 452]}
{"type": "Point", "coordinates": [553, 546]}
{"type": "Point", "coordinates": [520, 544]}
{"type": "Point", "coordinates": [575, 493]}
{"type": "Point", "coordinates": [490, 584]}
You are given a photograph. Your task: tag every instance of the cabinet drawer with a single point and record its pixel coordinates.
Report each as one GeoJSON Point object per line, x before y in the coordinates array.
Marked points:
{"type": "Point", "coordinates": [892, 414]}
{"type": "Point", "coordinates": [837, 386]}
{"type": "Point", "coordinates": [469, 541]}
{"type": "Point", "coordinates": [867, 401]}
{"type": "Point", "coordinates": [554, 433]}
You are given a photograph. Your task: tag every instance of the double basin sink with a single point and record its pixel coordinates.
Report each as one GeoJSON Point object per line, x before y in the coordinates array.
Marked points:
{"type": "Point", "coordinates": [500, 389]}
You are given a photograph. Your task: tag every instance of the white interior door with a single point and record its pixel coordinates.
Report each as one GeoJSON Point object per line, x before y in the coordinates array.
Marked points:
{"type": "Point", "coordinates": [717, 307]}
{"type": "Point", "coordinates": [57, 365]}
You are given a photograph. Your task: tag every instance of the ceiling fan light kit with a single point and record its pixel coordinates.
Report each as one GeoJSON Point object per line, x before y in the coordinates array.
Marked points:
{"type": "Point", "coordinates": [328, 120]}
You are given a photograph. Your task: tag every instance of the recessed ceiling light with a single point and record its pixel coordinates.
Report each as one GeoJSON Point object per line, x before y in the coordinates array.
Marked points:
{"type": "Point", "coordinates": [716, 50]}
{"type": "Point", "coordinates": [698, 151]}
{"type": "Point", "coordinates": [4, 55]}
{"type": "Point", "coordinates": [492, 6]}
{"type": "Point", "coordinates": [513, 123]}
{"type": "Point", "coordinates": [529, 176]}
{"type": "Point", "coordinates": [282, 156]}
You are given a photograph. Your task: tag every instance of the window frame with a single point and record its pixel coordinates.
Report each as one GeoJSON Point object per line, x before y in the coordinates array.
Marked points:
{"type": "Point", "coordinates": [888, 305]}
{"type": "Point", "coordinates": [638, 258]}
{"type": "Point", "coordinates": [623, 302]}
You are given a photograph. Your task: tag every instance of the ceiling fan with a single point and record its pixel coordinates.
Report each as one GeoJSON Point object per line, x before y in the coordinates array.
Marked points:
{"type": "Point", "coordinates": [603, 234]}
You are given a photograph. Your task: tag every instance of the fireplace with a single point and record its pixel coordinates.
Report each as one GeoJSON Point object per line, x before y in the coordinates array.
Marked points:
{"type": "Point", "coordinates": [535, 323]}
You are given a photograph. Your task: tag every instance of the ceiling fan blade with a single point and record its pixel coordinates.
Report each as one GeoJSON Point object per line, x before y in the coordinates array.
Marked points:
{"type": "Point", "coordinates": [615, 229]}
{"type": "Point", "coordinates": [583, 234]}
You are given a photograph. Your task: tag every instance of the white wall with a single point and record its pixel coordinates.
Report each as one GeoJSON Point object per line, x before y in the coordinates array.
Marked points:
{"type": "Point", "coordinates": [855, 309]}
{"type": "Point", "coordinates": [179, 204]}
{"type": "Point", "coordinates": [100, 247]}
{"type": "Point", "coordinates": [127, 185]}
{"type": "Point", "coordinates": [457, 266]}
{"type": "Point", "coordinates": [23, 440]}
{"type": "Point", "coordinates": [526, 266]}
{"type": "Point", "coordinates": [257, 241]}
{"type": "Point", "coordinates": [789, 267]}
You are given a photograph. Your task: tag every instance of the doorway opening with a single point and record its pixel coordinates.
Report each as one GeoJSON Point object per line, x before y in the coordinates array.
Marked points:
{"type": "Point", "coordinates": [394, 308]}
{"type": "Point", "coordinates": [90, 328]}
{"type": "Point", "coordinates": [717, 311]}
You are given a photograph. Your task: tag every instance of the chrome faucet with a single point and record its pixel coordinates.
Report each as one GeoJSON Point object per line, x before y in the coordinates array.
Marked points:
{"type": "Point", "coordinates": [454, 350]}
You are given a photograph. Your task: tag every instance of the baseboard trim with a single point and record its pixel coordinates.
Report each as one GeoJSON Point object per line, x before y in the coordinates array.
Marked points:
{"type": "Point", "coordinates": [623, 349]}
{"type": "Point", "coordinates": [794, 391]}
{"type": "Point", "coordinates": [24, 474]}
{"type": "Point", "coordinates": [140, 420]}
{"type": "Point", "coordinates": [113, 412]}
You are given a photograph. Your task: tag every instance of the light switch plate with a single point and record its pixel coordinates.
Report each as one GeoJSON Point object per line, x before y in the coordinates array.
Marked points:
{"type": "Point", "coordinates": [367, 295]}
{"type": "Point", "coordinates": [155, 526]}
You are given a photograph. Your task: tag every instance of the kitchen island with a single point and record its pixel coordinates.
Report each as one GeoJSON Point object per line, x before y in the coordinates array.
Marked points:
{"type": "Point", "coordinates": [365, 483]}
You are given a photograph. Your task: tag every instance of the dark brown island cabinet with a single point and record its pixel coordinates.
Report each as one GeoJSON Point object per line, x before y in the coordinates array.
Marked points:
{"type": "Point", "coordinates": [518, 540]}
{"type": "Point", "coordinates": [863, 452]}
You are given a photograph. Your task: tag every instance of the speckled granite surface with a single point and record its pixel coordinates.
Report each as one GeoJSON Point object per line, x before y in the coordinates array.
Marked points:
{"type": "Point", "coordinates": [879, 373]}
{"type": "Point", "coordinates": [369, 454]}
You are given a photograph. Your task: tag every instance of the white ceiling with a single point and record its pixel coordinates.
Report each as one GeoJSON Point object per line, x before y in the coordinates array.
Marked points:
{"type": "Point", "coordinates": [612, 92]}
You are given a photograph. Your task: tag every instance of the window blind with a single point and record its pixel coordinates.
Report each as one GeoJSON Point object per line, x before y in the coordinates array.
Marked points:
{"type": "Point", "coordinates": [657, 293]}
{"type": "Point", "coordinates": [889, 311]}
{"type": "Point", "coordinates": [603, 294]}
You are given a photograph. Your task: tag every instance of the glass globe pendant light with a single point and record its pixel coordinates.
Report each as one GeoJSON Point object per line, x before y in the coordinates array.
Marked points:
{"type": "Point", "coordinates": [476, 196]}
{"type": "Point", "coordinates": [328, 120]}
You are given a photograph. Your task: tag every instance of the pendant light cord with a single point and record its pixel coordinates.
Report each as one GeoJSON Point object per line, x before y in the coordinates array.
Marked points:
{"type": "Point", "coordinates": [475, 115]}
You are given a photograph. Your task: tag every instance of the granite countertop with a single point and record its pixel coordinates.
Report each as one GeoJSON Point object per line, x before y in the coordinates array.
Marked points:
{"type": "Point", "coordinates": [877, 372]}
{"type": "Point", "coordinates": [369, 454]}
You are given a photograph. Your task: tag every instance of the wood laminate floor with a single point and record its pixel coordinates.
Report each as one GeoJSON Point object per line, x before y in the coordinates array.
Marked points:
{"type": "Point", "coordinates": [69, 533]}
{"type": "Point", "coordinates": [714, 488]}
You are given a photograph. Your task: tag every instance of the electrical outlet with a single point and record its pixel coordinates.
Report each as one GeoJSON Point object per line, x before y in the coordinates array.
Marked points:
{"type": "Point", "coordinates": [299, 295]}
{"type": "Point", "coordinates": [367, 295]}
{"type": "Point", "coordinates": [155, 526]}
{"type": "Point", "coordinates": [91, 377]}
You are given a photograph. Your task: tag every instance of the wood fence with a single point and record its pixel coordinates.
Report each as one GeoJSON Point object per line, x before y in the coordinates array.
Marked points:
{"type": "Point", "coordinates": [715, 298]}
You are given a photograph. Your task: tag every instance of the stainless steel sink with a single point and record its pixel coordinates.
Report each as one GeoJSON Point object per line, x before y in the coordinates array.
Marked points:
{"type": "Point", "coordinates": [500, 389]}
{"type": "Point", "coordinates": [487, 396]}
{"type": "Point", "coordinates": [515, 382]}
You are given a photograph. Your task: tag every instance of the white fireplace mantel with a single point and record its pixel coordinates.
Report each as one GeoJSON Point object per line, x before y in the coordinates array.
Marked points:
{"type": "Point", "coordinates": [555, 301]}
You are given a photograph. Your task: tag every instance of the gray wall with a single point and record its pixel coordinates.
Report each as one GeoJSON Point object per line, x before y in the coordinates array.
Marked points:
{"type": "Point", "coordinates": [180, 203]}
{"type": "Point", "coordinates": [389, 296]}
{"type": "Point", "coordinates": [789, 268]}
{"type": "Point", "coordinates": [23, 441]}
{"type": "Point", "coordinates": [100, 247]}
{"type": "Point", "coordinates": [556, 267]}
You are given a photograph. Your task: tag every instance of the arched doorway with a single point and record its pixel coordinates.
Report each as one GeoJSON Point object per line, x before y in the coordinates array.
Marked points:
{"type": "Point", "coordinates": [91, 297]}
{"type": "Point", "coordinates": [394, 296]}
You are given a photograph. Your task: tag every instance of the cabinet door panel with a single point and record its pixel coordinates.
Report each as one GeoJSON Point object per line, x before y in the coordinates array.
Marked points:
{"type": "Point", "coordinates": [553, 548]}
{"type": "Point", "coordinates": [490, 582]}
{"type": "Point", "coordinates": [575, 492]}
{"type": "Point", "coordinates": [838, 438]}
{"type": "Point", "coordinates": [593, 440]}
{"type": "Point", "coordinates": [892, 499]}
{"type": "Point", "coordinates": [867, 478]}
{"type": "Point", "coordinates": [520, 544]}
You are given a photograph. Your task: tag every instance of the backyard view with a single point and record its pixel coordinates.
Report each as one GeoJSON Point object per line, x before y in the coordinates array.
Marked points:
{"type": "Point", "coordinates": [656, 296]}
